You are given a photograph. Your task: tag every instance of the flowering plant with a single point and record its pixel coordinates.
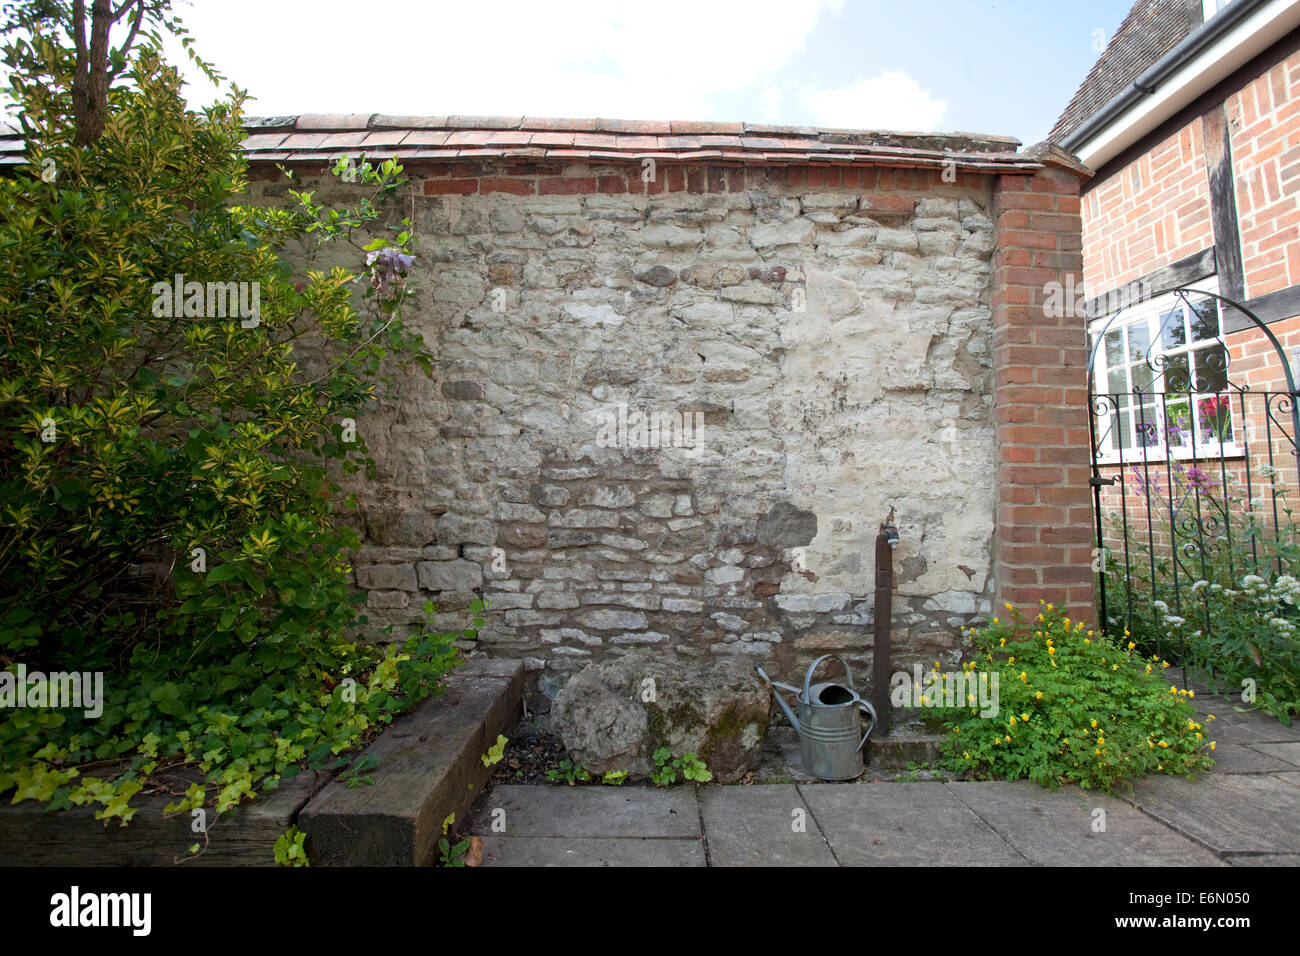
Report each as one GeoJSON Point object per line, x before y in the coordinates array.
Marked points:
{"type": "Point", "coordinates": [1073, 706]}
{"type": "Point", "coordinates": [1216, 417]}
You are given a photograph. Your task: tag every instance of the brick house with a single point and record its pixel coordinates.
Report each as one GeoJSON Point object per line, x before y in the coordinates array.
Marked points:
{"type": "Point", "coordinates": [1191, 120]}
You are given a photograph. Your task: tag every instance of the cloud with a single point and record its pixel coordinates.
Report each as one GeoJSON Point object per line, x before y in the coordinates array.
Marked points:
{"type": "Point", "coordinates": [892, 101]}
{"type": "Point", "coordinates": [670, 59]}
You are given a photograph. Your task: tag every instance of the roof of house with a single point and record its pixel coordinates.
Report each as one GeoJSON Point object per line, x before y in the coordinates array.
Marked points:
{"type": "Point", "coordinates": [1149, 31]}
{"type": "Point", "coordinates": [323, 137]}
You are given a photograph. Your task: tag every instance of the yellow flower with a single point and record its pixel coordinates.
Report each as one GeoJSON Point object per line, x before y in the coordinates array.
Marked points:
{"type": "Point", "coordinates": [1002, 643]}
{"type": "Point", "coordinates": [1199, 735]}
{"type": "Point", "coordinates": [1191, 693]}
{"type": "Point", "coordinates": [1086, 641]}
{"type": "Point", "coordinates": [1008, 606]}
{"type": "Point", "coordinates": [1053, 663]}
{"type": "Point", "coordinates": [1011, 660]}
{"type": "Point", "coordinates": [965, 754]}
{"type": "Point", "coordinates": [1024, 716]}
{"type": "Point", "coordinates": [1097, 751]}
{"type": "Point", "coordinates": [995, 620]}
{"type": "Point", "coordinates": [1211, 717]}
{"type": "Point", "coordinates": [1013, 721]}
{"type": "Point", "coordinates": [1164, 744]}
{"type": "Point", "coordinates": [1173, 690]}
{"type": "Point", "coordinates": [1131, 645]}
{"type": "Point", "coordinates": [1051, 650]}
{"type": "Point", "coordinates": [1038, 695]}
{"type": "Point", "coordinates": [1211, 744]}
{"type": "Point", "coordinates": [1093, 722]}
{"type": "Point", "coordinates": [1150, 745]}
{"type": "Point", "coordinates": [1024, 677]}
{"type": "Point", "coordinates": [997, 741]}
{"type": "Point", "coordinates": [1007, 739]}
{"type": "Point", "coordinates": [1114, 667]}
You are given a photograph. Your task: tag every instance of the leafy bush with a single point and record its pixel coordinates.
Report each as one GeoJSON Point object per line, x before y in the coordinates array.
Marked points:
{"type": "Point", "coordinates": [1072, 706]}
{"type": "Point", "coordinates": [667, 767]}
{"type": "Point", "coordinates": [135, 435]}
{"type": "Point", "coordinates": [1224, 601]}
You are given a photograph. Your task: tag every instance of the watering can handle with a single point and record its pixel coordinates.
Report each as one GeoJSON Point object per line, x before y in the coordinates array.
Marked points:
{"type": "Point", "coordinates": [807, 680]}
{"type": "Point", "coordinates": [863, 705]}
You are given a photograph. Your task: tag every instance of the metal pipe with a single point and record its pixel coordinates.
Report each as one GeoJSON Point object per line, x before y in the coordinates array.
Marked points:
{"type": "Point", "coordinates": [884, 615]}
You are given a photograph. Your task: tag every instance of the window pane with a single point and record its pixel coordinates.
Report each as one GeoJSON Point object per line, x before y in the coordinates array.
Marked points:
{"type": "Point", "coordinates": [1211, 369]}
{"type": "Point", "coordinates": [1205, 319]}
{"type": "Point", "coordinates": [1139, 341]}
{"type": "Point", "coordinates": [1176, 374]}
{"type": "Point", "coordinates": [1172, 333]}
{"type": "Point", "coordinates": [1125, 427]}
{"type": "Point", "coordinates": [1114, 348]}
{"type": "Point", "coordinates": [1178, 423]}
{"type": "Point", "coordinates": [1141, 377]}
{"type": "Point", "coordinates": [1117, 381]}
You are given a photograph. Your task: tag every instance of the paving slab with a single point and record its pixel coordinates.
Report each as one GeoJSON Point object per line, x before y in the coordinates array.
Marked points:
{"type": "Point", "coordinates": [561, 811]}
{"type": "Point", "coordinates": [755, 826]}
{"type": "Point", "coordinates": [1264, 859]}
{"type": "Point", "coordinates": [1059, 828]}
{"type": "Point", "coordinates": [1251, 813]}
{"type": "Point", "coordinates": [1252, 758]}
{"type": "Point", "coordinates": [625, 851]}
{"type": "Point", "coordinates": [1287, 752]}
{"type": "Point", "coordinates": [904, 824]}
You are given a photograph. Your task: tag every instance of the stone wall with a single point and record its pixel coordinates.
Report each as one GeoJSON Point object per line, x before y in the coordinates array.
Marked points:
{"type": "Point", "coordinates": [815, 346]}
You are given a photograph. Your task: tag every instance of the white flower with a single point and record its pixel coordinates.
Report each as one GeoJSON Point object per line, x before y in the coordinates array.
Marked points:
{"type": "Point", "coordinates": [1199, 585]}
{"type": "Point", "coordinates": [1269, 472]}
{"type": "Point", "coordinates": [1160, 606]}
{"type": "Point", "coordinates": [1174, 620]}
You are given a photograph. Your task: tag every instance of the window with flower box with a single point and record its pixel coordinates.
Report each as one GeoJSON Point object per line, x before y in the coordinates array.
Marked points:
{"type": "Point", "coordinates": [1160, 385]}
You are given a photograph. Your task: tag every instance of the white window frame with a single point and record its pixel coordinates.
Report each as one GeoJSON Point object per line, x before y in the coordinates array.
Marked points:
{"type": "Point", "coordinates": [1151, 312]}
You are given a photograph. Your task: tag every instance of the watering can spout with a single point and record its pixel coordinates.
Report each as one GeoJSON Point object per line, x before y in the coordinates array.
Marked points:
{"type": "Point", "coordinates": [785, 708]}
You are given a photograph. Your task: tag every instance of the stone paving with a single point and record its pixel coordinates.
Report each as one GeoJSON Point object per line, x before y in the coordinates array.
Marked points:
{"type": "Point", "coordinates": [1246, 812]}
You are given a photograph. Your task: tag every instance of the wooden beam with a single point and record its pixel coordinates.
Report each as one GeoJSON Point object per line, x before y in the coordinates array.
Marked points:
{"type": "Point", "coordinates": [1223, 203]}
{"type": "Point", "coordinates": [1157, 282]}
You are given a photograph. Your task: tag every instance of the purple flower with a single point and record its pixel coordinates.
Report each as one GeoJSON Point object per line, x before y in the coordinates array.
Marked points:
{"type": "Point", "coordinates": [1200, 480]}
{"type": "Point", "coordinates": [388, 266]}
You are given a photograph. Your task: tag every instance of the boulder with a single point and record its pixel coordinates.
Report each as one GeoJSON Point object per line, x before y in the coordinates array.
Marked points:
{"type": "Point", "coordinates": [614, 714]}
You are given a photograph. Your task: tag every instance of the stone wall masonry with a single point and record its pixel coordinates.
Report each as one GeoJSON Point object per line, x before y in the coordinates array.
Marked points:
{"type": "Point", "coordinates": [814, 344]}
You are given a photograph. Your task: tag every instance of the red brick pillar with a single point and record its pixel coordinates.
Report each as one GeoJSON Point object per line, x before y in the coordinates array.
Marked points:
{"type": "Point", "coordinates": [1044, 538]}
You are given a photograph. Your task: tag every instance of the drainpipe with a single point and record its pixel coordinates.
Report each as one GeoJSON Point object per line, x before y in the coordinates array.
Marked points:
{"type": "Point", "coordinates": [1146, 84]}
{"type": "Point", "coordinates": [886, 541]}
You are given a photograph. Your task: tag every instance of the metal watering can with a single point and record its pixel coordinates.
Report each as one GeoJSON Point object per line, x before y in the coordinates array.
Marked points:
{"type": "Point", "coordinates": [828, 724]}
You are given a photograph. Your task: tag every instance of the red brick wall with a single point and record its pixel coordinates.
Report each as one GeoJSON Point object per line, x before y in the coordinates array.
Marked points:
{"type": "Point", "coordinates": [1154, 211]}
{"type": "Point", "coordinates": [1043, 548]}
{"type": "Point", "coordinates": [556, 179]}
{"type": "Point", "coordinates": [1264, 126]}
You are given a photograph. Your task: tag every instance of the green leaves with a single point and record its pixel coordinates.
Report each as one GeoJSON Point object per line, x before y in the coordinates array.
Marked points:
{"type": "Point", "coordinates": [496, 751]}
{"type": "Point", "coordinates": [290, 848]}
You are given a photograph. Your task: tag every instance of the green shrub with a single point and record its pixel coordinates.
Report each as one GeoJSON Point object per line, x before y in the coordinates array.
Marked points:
{"type": "Point", "coordinates": [1224, 602]}
{"type": "Point", "coordinates": [1072, 706]}
{"type": "Point", "coordinates": [132, 435]}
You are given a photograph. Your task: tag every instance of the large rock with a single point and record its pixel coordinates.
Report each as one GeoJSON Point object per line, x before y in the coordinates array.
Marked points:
{"type": "Point", "coordinates": [715, 709]}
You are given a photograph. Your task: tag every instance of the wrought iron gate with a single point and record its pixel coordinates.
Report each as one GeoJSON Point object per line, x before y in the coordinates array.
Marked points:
{"type": "Point", "coordinates": [1194, 474]}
